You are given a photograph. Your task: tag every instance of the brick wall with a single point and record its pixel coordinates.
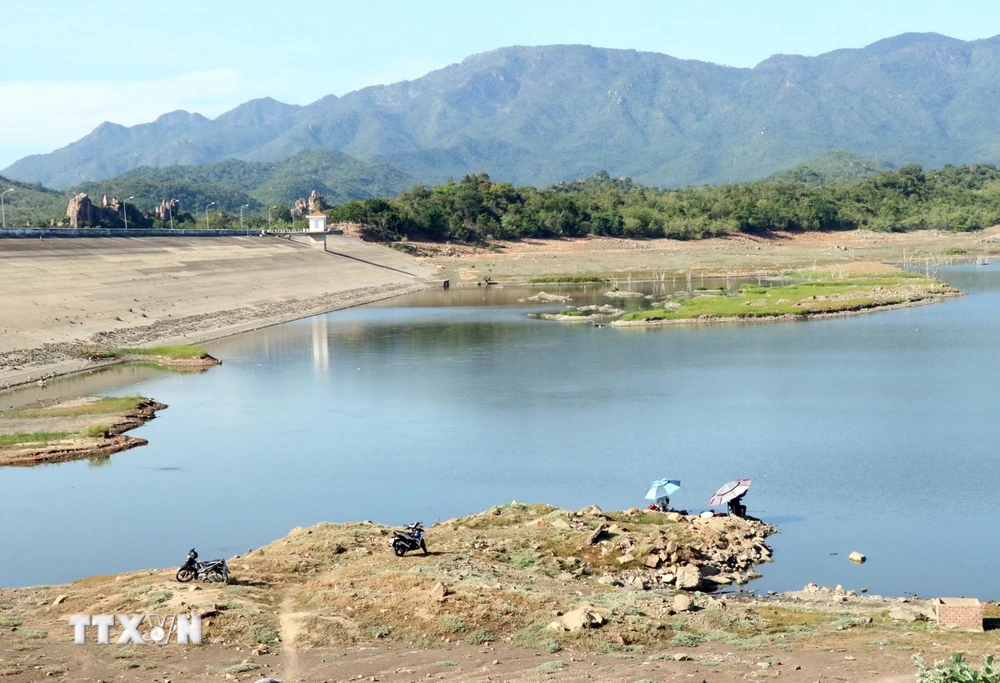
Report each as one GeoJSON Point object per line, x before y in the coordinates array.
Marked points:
{"type": "Point", "coordinates": [961, 613]}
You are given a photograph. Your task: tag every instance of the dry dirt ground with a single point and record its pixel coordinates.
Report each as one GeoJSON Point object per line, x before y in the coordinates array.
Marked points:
{"type": "Point", "coordinates": [332, 603]}
{"type": "Point", "coordinates": [63, 295]}
{"type": "Point", "coordinates": [735, 254]}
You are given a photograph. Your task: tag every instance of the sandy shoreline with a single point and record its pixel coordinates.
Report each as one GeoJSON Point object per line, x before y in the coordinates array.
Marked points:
{"type": "Point", "coordinates": [63, 297]}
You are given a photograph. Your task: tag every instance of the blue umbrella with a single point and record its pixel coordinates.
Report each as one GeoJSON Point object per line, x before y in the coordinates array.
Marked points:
{"type": "Point", "coordinates": [663, 488]}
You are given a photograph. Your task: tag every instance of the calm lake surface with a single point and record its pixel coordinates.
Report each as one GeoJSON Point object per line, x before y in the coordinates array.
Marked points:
{"type": "Point", "coordinates": [874, 433]}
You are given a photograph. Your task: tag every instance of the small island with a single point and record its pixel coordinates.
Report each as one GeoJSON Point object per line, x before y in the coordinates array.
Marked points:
{"type": "Point", "coordinates": [180, 357]}
{"type": "Point", "coordinates": [72, 429]}
{"type": "Point", "coordinates": [863, 288]}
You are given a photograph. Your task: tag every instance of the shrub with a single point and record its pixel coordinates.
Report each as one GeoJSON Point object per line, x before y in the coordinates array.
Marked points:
{"type": "Point", "coordinates": [549, 645]}
{"type": "Point", "coordinates": [685, 639]}
{"type": "Point", "coordinates": [480, 636]}
{"type": "Point", "coordinates": [956, 670]}
{"type": "Point", "coordinates": [550, 667]}
{"type": "Point", "coordinates": [379, 631]}
{"type": "Point", "coordinates": [262, 634]}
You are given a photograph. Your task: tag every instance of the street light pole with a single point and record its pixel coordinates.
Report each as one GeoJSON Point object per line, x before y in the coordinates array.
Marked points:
{"type": "Point", "coordinates": [3, 213]}
{"type": "Point", "coordinates": [241, 217]}
{"type": "Point", "coordinates": [208, 223]}
{"type": "Point", "coordinates": [125, 210]}
{"type": "Point", "coordinates": [269, 216]}
{"type": "Point", "coordinates": [170, 213]}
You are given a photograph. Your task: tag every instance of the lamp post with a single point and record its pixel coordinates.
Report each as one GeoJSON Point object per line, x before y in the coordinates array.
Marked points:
{"type": "Point", "coordinates": [241, 217]}
{"type": "Point", "coordinates": [170, 213]}
{"type": "Point", "coordinates": [125, 210]}
{"type": "Point", "coordinates": [269, 216]}
{"type": "Point", "coordinates": [3, 213]}
{"type": "Point", "coordinates": [208, 223]}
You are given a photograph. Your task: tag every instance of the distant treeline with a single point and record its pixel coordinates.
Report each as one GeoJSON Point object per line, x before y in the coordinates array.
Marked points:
{"type": "Point", "coordinates": [475, 209]}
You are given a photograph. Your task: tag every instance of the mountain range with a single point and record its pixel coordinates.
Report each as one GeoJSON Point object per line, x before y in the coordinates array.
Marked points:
{"type": "Point", "coordinates": [542, 115]}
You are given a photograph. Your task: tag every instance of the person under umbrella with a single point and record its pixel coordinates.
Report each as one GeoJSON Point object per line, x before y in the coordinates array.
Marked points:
{"type": "Point", "coordinates": [731, 494]}
{"type": "Point", "coordinates": [660, 492]}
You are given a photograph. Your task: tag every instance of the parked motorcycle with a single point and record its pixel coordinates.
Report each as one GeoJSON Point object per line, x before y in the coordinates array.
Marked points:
{"type": "Point", "coordinates": [411, 538]}
{"type": "Point", "coordinates": [213, 570]}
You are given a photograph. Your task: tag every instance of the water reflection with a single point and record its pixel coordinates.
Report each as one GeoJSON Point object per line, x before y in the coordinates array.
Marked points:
{"type": "Point", "coordinates": [320, 344]}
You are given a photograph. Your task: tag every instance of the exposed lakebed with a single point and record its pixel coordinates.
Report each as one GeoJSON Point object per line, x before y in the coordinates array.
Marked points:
{"type": "Point", "coordinates": [871, 433]}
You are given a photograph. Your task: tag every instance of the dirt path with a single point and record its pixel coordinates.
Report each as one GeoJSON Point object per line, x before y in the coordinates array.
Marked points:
{"type": "Point", "coordinates": [289, 627]}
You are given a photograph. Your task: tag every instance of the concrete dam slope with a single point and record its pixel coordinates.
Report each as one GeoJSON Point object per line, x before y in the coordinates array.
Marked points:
{"type": "Point", "coordinates": [60, 296]}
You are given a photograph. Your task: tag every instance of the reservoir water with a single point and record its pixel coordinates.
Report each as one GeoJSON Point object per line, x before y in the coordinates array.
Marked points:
{"type": "Point", "coordinates": [874, 433]}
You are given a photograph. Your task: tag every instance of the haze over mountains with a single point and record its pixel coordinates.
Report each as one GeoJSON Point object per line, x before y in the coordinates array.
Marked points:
{"type": "Point", "coordinates": [541, 115]}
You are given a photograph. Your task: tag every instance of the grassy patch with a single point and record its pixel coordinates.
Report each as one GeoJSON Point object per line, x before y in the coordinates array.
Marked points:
{"type": "Point", "coordinates": [551, 667]}
{"type": "Point", "coordinates": [686, 639]}
{"type": "Point", "coordinates": [242, 667]}
{"type": "Point", "coordinates": [34, 633]}
{"type": "Point", "coordinates": [156, 598]}
{"type": "Point", "coordinates": [126, 664]}
{"type": "Point", "coordinates": [129, 651]}
{"type": "Point", "coordinates": [444, 663]}
{"type": "Point", "coordinates": [179, 351]}
{"type": "Point", "coordinates": [10, 620]}
{"type": "Point", "coordinates": [480, 636]}
{"type": "Point", "coordinates": [379, 631]}
{"type": "Point", "coordinates": [106, 406]}
{"type": "Point", "coordinates": [97, 431]}
{"type": "Point", "coordinates": [453, 623]}
{"type": "Point", "coordinates": [550, 645]}
{"type": "Point", "coordinates": [263, 634]}
{"type": "Point", "coordinates": [561, 279]}
{"type": "Point", "coordinates": [34, 438]}
{"type": "Point", "coordinates": [799, 299]}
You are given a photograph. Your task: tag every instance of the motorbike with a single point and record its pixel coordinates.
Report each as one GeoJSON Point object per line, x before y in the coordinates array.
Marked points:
{"type": "Point", "coordinates": [213, 570]}
{"type": "Point", "coordinates": [411, 538]}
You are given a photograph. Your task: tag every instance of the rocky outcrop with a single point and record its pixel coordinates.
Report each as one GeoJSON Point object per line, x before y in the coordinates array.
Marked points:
{"type": "Point", "coordinates": [717, 552]}
{"type": "Point", "coordinates": [167, 209]}
{"type": "Point", "coordinates": [317, 202]}
{"type": "Point", "coordinates": [80, 211]}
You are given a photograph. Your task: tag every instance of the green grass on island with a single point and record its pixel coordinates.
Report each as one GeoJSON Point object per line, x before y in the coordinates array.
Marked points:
{"type": "Point", "coordinates": [179, 351]}
{"type": "Point", "coordinates": [105, 406]}
{"type": "Point", "coordinates": [819, 295]}
{"type": "Point", "coordinates": [33, 439]}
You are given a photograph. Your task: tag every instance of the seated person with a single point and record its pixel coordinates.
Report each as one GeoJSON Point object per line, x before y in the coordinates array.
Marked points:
{"type": "Point", "coordinates": [736, 507]}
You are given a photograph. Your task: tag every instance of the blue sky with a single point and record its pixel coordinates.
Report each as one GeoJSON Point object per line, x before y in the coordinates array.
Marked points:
{"type": "Point", "coordinates": [69, 65]}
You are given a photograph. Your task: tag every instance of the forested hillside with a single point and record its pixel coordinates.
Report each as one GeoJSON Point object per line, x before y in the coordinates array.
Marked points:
{"type": "Point", "coordinates": [232, 183]}
{"type": "Point", "coordinates": [953, 198]}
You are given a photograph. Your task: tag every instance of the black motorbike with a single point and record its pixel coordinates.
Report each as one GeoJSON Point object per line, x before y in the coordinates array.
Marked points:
{"type": "Point", "coordinates": [411, 538]}
{"type": "Point", "coordinates": [213, 570]}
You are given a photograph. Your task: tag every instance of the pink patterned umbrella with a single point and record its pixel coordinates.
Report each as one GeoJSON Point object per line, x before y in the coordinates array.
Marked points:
{"type": "Point", "coordinates": [733, 489]}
